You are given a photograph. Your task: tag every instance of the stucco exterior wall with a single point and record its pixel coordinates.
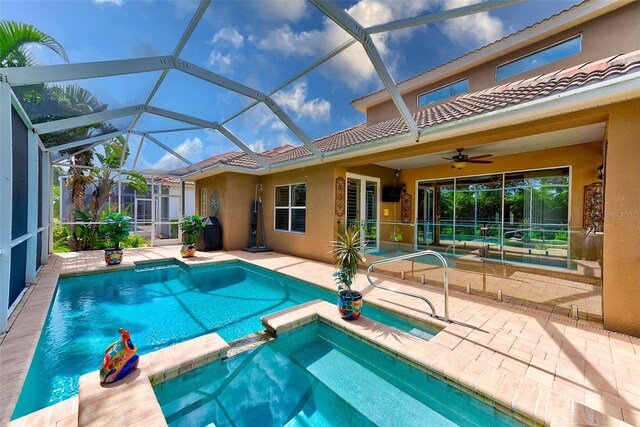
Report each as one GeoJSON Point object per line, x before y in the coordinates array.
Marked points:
{"type": "Point", "coordinates": [611, 34]}
{"type": "Point", "coordinates": [236, 193]}
{"type": "Point", "coordinates": [320, 218]}
{"type": "Point", "coordinates": [621, 269]}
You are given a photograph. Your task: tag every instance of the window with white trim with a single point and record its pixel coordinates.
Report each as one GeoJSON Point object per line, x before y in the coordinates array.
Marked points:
{"type": "Point", "coordinates": [203, 202]}
{"type": "Point", "coordinates": [290, 208]}
{"type": "Point", "coordinates": [444, 92]}
{"type": "Point", "coordinates": [541, 57]}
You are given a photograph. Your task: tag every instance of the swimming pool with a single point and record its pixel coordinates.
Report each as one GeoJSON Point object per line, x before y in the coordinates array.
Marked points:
{"type": "Point", "coordinates": [318, 376]}
{"type": "Point", "coordinates": [160, 304]}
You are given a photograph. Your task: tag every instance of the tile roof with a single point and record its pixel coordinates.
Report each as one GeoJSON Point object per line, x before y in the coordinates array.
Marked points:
{"type": "Point", "coordinates": [173, 180]}
{"type": "Point", "coordinates": [466, 105]}
{"type": "Point", "coordinates": [537, 24]}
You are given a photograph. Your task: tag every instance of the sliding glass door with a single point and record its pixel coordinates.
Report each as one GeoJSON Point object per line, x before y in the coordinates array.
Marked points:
{"type": "Point", "coordinates": [523, 216]}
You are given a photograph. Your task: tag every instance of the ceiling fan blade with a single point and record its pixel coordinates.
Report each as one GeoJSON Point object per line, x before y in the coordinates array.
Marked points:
{"type": "Point", "coordinates": [481, 156]}
{"type": "Point", "coordinates": [479, 161]}
{"type": "Point", "coordinates": [448, 158]}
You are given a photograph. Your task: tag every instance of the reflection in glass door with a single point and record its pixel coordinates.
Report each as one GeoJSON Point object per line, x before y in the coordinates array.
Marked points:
{"type": "Point", "coordinates": [363, 209]}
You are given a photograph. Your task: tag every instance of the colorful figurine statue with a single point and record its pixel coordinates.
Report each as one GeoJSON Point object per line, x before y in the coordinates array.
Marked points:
{"type": "Point", "coordinates": [119, 359]}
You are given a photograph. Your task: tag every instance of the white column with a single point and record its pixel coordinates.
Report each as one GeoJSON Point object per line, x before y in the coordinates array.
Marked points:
{"type": "Point", "coordinates": [47, 205]}
{"type": "Point", "coordinates": [32, 206]}
{"type": "Point", "coordinates": [6, 190]}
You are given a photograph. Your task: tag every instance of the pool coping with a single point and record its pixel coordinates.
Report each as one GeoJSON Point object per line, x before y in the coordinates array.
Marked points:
{"type": "Point", "coordinates": [508, 326]}
{"type": "Point", "coordinates": [131, 401]}
{"type": "Point", "coordinates": [424, 355]}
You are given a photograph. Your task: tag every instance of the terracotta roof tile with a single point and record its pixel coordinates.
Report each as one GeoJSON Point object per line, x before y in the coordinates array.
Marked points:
{"type": "Point", "coordinates": [476, 50]}
{"type": "Point", "coordinates": [462, 106]}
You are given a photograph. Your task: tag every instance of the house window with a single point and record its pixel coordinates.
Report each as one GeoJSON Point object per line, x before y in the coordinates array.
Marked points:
{"type": "Point", "coordinates": [542, 57]}
{"type": "Point", "coordinates": [203, 202]}
{"type": "Point", "coordinates": [290, 210]}
{"type": "Point", "coordinates": [443, 92]}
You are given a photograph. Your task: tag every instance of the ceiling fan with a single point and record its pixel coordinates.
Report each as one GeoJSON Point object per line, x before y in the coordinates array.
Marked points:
{"type": "Point", "coordinates": [460, 160]}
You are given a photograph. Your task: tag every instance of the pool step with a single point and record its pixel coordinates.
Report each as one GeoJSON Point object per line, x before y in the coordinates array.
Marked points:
{"type": "Point", "coordinates": [354, 383]}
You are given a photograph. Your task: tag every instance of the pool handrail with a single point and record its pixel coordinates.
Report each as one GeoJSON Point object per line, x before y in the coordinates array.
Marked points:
{"type": "Point", "coordinates": [428, 252]}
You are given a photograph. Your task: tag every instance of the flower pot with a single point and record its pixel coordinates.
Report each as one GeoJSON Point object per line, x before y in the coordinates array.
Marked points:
{"type": "Point", "coordinates": [113, 256]}
{"type": "Point", "coordinates": [188, 250]}
{"type": "Point", "coordinates": [349, 304]}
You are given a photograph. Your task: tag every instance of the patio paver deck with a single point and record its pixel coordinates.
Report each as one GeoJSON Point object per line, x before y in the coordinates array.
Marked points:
{"type": "Point", "coordinates": [537, 362]}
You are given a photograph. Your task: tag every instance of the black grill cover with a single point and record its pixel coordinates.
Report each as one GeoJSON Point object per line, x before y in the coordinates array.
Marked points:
{"type": "Point", "coordinates": [212, 236]}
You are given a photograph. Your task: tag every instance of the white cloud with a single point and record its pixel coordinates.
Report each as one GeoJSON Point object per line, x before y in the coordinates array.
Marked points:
{"type": "Point", "coordinates": [352, 66]}
{"type": "Point", "coordinates": [258, 146]}
{"type": "Point", "coordinates": [219, 61]}
{"type": "Point", "coordinates": [476, 30]}
{"type": "Point", "coordinates": [295, 100]}
{"type": "Point", "coordinates": [289, 10]}
{"type": "Point", "coordinates": [229, 35]}
{"type": "Point", "coordinates": [110, 2]}
{"type": "Point", "coordinates": [190, 149]}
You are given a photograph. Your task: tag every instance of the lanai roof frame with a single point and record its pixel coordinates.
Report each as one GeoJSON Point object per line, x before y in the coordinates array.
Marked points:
{"type": "Point", "coordinates": [64, 72]}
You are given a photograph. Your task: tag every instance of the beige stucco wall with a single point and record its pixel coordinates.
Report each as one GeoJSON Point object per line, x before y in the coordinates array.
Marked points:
{"type": "Point", "coordinates": [611, 34]}
{"type": "Point", "coordinates": [320, 221]}
{"type": "Point", "coordinates": [621, 269]}
{"type": "Point", "coordinates": [236, 193]}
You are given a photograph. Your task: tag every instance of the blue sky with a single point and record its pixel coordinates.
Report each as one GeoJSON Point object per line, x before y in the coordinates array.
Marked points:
{"type": "Point", "coordinates": [260, 44]}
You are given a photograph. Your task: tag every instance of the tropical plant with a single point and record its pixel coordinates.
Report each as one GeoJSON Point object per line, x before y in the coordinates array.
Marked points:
{"type": "Point", "coordinates": [84, 237]}
{"type": "Point", "coordinates": [105, 180]}
{"type": "Point", "coordinates": [104, 183]}
{"type": "Point", "coordinates": [346, 257]}
{"type": "Point", "coordinates": [191, 226]}
{"type": "Point", "coordinates": [60, 237]}
{"type": "Point", "coordinates": [115, 228]}
{"type": "Point", "coordinates": [134, 241]}
{"type": "Point", "coordinates": [14, 36]}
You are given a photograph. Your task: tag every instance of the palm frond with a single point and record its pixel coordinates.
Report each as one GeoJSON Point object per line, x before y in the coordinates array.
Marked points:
{"type": "Point", "coordinates": [15, 35]}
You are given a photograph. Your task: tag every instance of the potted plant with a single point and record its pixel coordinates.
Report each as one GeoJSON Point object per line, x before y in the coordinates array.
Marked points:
{"type": "Point", "coordinates": [347, 257]}
{"type": "Point", "coordinates": [115, 228]}
{"type": "Point", "coordinates": [191, 226]}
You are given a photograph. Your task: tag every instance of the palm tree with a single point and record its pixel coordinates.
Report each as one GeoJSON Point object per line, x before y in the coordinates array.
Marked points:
{"type": "Point", "coordinates": [13, 38]}
{"type": "Point", "coordinates": [104, 183]}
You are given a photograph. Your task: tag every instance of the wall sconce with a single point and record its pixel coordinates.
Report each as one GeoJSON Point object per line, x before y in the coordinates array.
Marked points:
{"type": "Point", "coordinates": [386, 212]}
{"type": "Point", "coordinates": [601, 171]}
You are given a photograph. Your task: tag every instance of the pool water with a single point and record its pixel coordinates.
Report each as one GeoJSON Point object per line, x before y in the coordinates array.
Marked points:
{"type": "Point", "coordinates": [318, 376]}
{"type": "Point", "coordinates": [160, 305]}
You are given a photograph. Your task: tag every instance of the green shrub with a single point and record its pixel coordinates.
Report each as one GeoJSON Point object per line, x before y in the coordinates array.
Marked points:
{"type": "Point", "coordinates": [134, 241]}
{"type": "Point", "coordinates": [174, 228]}
{"type": "Point", "coordinates": [61, 235]}
{"type": "Point", "coordinates": [191, 226]}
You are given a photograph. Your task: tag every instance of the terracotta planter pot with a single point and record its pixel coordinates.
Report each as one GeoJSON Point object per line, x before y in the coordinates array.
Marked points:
{"type": "Point", "coordinates": [113, 256]}
{"type": "Point", "coordinates": [188, 250]}
{"type": "Point", "coordinates": [349, 304]}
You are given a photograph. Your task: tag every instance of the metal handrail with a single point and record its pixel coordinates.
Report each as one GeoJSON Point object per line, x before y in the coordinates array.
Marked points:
{"type": "Point", "coordinates": [410, 256]}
